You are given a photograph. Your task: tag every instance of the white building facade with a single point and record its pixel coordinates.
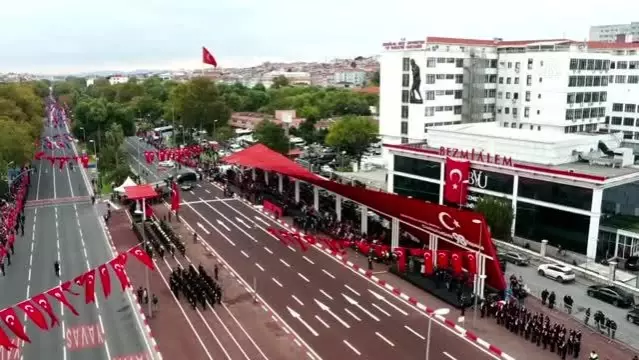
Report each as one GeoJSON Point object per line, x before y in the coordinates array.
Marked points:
{"type": "Point", "coordinates": [355, 78]}
{"type": "Point", "coordinates": [609, 33]}
{"type": "Point", "coordinates": [535, 120]}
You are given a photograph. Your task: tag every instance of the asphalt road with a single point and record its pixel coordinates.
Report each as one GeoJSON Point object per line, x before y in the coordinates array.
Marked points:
{"type": "Point", "coordinates": [338, 313]}
{"type": "Point", "coordinates": [70, 232]}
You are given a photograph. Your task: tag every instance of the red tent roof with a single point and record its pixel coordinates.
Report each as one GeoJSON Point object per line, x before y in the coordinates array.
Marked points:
{"type": "Point", "coordinates": [459, 227]}
{"type": "Point", "coordinates": [140, 192]}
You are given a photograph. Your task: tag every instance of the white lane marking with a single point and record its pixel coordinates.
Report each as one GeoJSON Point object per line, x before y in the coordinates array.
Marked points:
{"type": "Point", "coordinates": [203, 228]}
{"type": "Point", "coordinates": [449, 355]}
{"type": "Point", "coordinates": [210, 224]}
{"type": "Point", "coordinates": [331, 313]}
{"type": "Point", "coordinates": [322, 321]}
{"type": "Point", "coordinates": [352, 348]}
{"type": "Point", "coordinates": [291, 248]}
{"type": "Point", "coordinates": [268, 250]}
{"type": "Point", "coordinates": [207, 191]}
{"type": "Point", "coordinates": [329, 274]}
{"type": "Point", "coordinates": [222, 224]}
{"type": "Point", "coordinates": [277, 282]}
{"type": "Point", "coordinates": [297, 316]}
{"type": "Point", "coordinates": [285, 263]}
{"type": "Point", "coordinates": [298, 300]}
{"type": "Point", "coordinates": [360, 307]}
{"type": "Point", "coordinates": [381, 310]}
{"type": "Point", "coordinates": [242, 222]}
{"type": "Point", "coordinates": [351, 289]}
{"type": "Point", "coordinates": [304, 277]}
{"type": "Point", "coordinates": [382, 298]}
{"type": "Point", "coordinates": [245, 254]}
{"type": "Point", "coordinates": [415, 332]}
{"type": "Point", "coordinates": [309, 260]}
{"type": "Point", "coordinates": [326, 294]}
{"type": "Point", "coordinates": [259, 267]}
{"type": "Point", "coordinates": [351, 314]}
{"type": "Point", "coordinates": [385, 339]}
{"type": "Point", "coordinates": [262, 221]}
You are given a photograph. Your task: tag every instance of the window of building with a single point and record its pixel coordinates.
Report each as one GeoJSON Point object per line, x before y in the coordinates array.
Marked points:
{"type": "Point", "coordinates": [406, 64]}
{"type": "Point", "coordinates": [404, 128]}
{"type": "Point", "coordinates": [628, 121]}
{"type": "Point", "coordinates": [459, 79]}
{"type": "Point", "coordinates": [570, 98]}
{"type": "Point", "coordinates": [457, 109]}
{"type": "Point", "coordinates": [418, 167]}
{"type": "Point", "coordinates": [430, 95]}
{"type": "Point", "coordinates": [515, 95]}
{"type": "Point", "coordinates": [617, 107]}
{"type": "Point", "coordinates": [507, 95]}
{"type": "Point", "coordinates": [606, 64]}
{"type": "Point", "coordinates": [572, 81]}
{"type": "Point", "coordinates": [429, 111]}
{"type": "Point", "coordinates": [539, 113]}
{"type": "Point", "coordinates": [615, 120]}
{"type": "Point", "coordinates": [570, 114]}
{"type": "Point", "coordinates": [578, 113]}
{"type": "Point", "coordinates": [515, 112]}
{"type": "Point", "coordinates": [431, 62]}
{"type": "Point", "coordinates": [450, 60]}
{"type": "Point", "coordinates": [450, 76]}
{"type": "Point", "coordinates": [441, 60]}
{"type": "Point", "coordinates": [582, 64]}
{"type": "Point", "coordinates": [603, 96]}
{"type": "Point", "coordinates": [459, 63]}
{"type": "Point", "coordinates": [620, 79]}
{"type": "Point", "coordinates": [449, 92]}
{"type": "Point", "coordinates": [633, 65]}
{"type": "Point", "coordinates": [581, 80]}
{"type": "Point", "coordinates": [588, 80]}
{"type": "Point", "coordinates": [587, 97]}
{"type": "Point", "coordinates": [540, 79]}
{"type": "Point", "coordinates": [510, 65]}
{"type": "Point", "coordinates": [579, 98]}
{"type": "Point", "coordinates": [439, 108]}
{"type": "Point", "coordinates": [513, 125]}
{"type": "Point", "coordinates": [405, 80]}
{"type": "Point", "coordinates": [441, 76]}
{"type": "Point", "coordinates": [596, 81]}
{"type": "Point", "coordinates": [574, 63]}
{"type": "Point", "coordinates": [506, 124]}
{"type": "Point", "coordinates": [404, 111]}
{"type": "Point", "coordinates": [595, 97]}
{"type": "Point", "coordinates": [501, 79]}
{"type": "Point", "coordinates": [601, 112]}
{"type": "Point", "coordinates": [585, 113]}
{"type": "Point", "coordinates": [630, 108]}
{"type": "Point", "coordinates": [458, 94]}
{"type": "Point", "coordinates": [598, 64]}
{"type": "Point", "coordinates": [506, 110]}
{"type": "Point", "coordinates": [440, 92]}
{"type": "Point", "coordinates": [527, 95]}
{"type": "Point", "coordinates": [530, 64]}
{"type": "Point", "coordinates": [591, 64]}
{"type": "Point", "coordinates": [405, 96]}
{"type": "Point", "coordinates": [526, 112]}
{"type": "Point", "coordinates": [448, 108]}
{"type": "Point", "coordinates": [633, 79]}
{"type": "Point", "coordinates": [430, 79]}
{"type": "Point", "coordinates": [622, 65]}
{"type": "Point", "coordinates": [539, 96]}
{"type": "Point", "coordinates": [604, 81]}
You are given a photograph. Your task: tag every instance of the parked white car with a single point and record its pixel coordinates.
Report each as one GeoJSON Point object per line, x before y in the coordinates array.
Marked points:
{"type": "Point", "coordinates": [167, 164]}
{"type": "Point", "coordinates": [559, 273]}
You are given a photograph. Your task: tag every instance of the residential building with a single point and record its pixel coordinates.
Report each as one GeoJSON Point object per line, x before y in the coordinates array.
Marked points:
{"type": "Point", "coordinates": [350, 78]}
{"type": "Point", "coordinates": [608, 33]}
{"type": "Point", "coordinates": [294, 77]}
{"type": "Point", "coordinates": [118, 79]}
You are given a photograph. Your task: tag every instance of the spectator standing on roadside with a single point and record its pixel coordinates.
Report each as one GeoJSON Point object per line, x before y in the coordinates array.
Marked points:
{"type": "Point", "coordinates": [544, 296]}
{"type": "Point", "coordinates": [551, 300]}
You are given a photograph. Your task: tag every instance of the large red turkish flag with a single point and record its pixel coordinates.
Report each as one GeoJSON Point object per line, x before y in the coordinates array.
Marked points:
{"type": "Point", "coordinates": [456, 181]}
{"type": "Point", "coordinates": [208, 58]}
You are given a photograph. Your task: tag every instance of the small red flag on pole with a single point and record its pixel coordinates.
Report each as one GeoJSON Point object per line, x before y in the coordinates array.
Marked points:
{"type": "Point", "coordinates": [208, 58]}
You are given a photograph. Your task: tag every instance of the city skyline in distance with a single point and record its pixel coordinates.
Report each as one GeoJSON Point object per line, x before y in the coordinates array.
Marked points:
{"type": "Point", "coordinates": [72, 36]}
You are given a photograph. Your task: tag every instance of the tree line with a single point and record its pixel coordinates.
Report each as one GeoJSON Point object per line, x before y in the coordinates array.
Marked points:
{"type": "Point", "coordinates": [21, 122]}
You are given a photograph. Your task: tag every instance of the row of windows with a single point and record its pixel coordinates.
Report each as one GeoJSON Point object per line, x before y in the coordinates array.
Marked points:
{"type": "Point", "coordinates": [590, 64]}
{"type": "Point", "coordinates": [431, 110]}
{"type": "Point", "coordinates": [459, 62]}
{"type": "Point", "coordinates": [618, 107]}
{"type": "Point", "coordinates": [517, 64]}
{"type": "Point", "coordinates": [587, 113]}
{"type": "Point", "coordinates": [529, 80]}
{"type": "Point", "coordinates": [515, 111]}
{"type": "Point", "coordinates": [623, 79]}
{"type": "Point", "coordinates": [516, 125]}
{"type": "Point", "coordinates": [588, 81]}
{"type": "Point", "coordinates": [580, 128]}
{"type": "Point", "coordinates": [586, 97]}
{"type": "Point", "coordinates": [622, 65]}
{"type": "Point", "coordinates": [426, 126]}
{"type": "Point", "coordinates": [627, 121]}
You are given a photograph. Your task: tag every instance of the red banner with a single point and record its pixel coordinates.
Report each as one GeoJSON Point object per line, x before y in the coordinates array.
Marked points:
{"type": "Point", "coordinates": [456, 263]}
{"type": "Point", "coordinates": [442, 259]}
{"type": "Point", "coordinates": [471, 262]}
{"type": "Point", "coordinates": [456, 181]}
{"type": "Point", "coordinates": [428, 263]}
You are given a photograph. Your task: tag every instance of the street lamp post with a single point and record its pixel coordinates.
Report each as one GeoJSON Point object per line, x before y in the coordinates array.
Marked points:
{"type": "Point", "coordinates": [477, 275]}
{"type": "Point", "coordinates": [84, 135]}
{"type": "Point", "coordinates": [97, 172]}
{"type": "Point", "coordinates": [441, 312]}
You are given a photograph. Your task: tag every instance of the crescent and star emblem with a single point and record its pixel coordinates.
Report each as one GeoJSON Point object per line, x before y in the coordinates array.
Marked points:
{"type": "Point", "coordinates": [43, 304]}
{"type": "Point", "coordinates": [29, 308]}
{"type": "Point", "coordinates": [9, 319]}
{"type": "Point", "coordinates": [445, 219]}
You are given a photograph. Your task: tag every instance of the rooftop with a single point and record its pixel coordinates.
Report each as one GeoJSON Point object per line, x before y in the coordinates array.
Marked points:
{"type": "Point", "coordinates": [494, 130]}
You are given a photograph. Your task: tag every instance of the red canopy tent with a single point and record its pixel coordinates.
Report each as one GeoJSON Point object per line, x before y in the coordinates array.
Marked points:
{"type": "Point", "coordinates": [140, 192]}
{"type": "Point", "coordinates": [458, 226]}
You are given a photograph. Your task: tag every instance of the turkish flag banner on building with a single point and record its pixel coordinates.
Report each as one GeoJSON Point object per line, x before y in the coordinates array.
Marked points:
{"type": "Point", "coordinates": [208, 58]}
{"type": "Point", "coordinates": [44, 303]}
{"type": "Point", "coordinates": [442, 259]}
{"type": "Point", "coordinates": [118, 267]}
{"type": "Point", "coordinates": [456, 181]}
{"type": "Point", "coordinates": [142, 256]}
{"type": "Point", "coordinates": [471, 262]}
{"type": "Point", "coordinates": [5, 342]}
{"type": "Point", "coordinates": [456, 263]}
{"type": "Point", "coordinates": [428, 262]}
{"type": "Point", "coordinates": [105, 279]}
{"type": "Point", "coordinates": [34, 314]}
{"type": "Point", "coordinates": [12, 321]}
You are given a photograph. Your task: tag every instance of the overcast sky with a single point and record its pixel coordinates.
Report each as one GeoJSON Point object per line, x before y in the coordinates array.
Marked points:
{"type": "Point", "coordinates": [63, 36]}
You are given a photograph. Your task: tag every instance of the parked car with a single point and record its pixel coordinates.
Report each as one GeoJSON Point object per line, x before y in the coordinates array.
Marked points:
{"type": "Point", "coordinates": [611, 294]}
{"type": "Point", "coordinates": [632, 263]}
{"type": "Point", "coordinates": [559, 273]}
{"type": "Point", "coordinates": [633, 316]}
{"type": "Point", "coordinates": [516, 258]}
{"type": "Point", "coordinates": [167, 163]}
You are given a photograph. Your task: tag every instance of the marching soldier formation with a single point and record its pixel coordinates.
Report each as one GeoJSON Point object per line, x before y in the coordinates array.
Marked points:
{"type": "Point", "coordinates": [197, 286]}
{"type": "Point", "coordinates": [535, 328]}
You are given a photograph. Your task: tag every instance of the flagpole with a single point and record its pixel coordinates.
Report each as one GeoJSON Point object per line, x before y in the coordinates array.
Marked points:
{"type": "Point", "coordinates": [146, 269]}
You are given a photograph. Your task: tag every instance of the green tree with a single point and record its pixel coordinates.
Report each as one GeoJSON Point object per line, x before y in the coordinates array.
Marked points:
{"type": "Point", "coordinates": [147, 108]}
{"type": "Point", "coordinates": [499, 215]}
{"type": "Point", "coordinates": [307, 131]}
{"type": "Point", "coordinates": [272, 135]}
{"type": "Point", "coordinates": [375, 79]}
{"type": "Point", "coordinates": [198, 103]}
{"type": "Point", "coordinates": [16, 143]}
{"type": "Point", "coordinates": [352, 134]}
{"type": "Point", "coordinates": [223, 134]}
{"type": "Point", "coordinates": [279, 82]}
